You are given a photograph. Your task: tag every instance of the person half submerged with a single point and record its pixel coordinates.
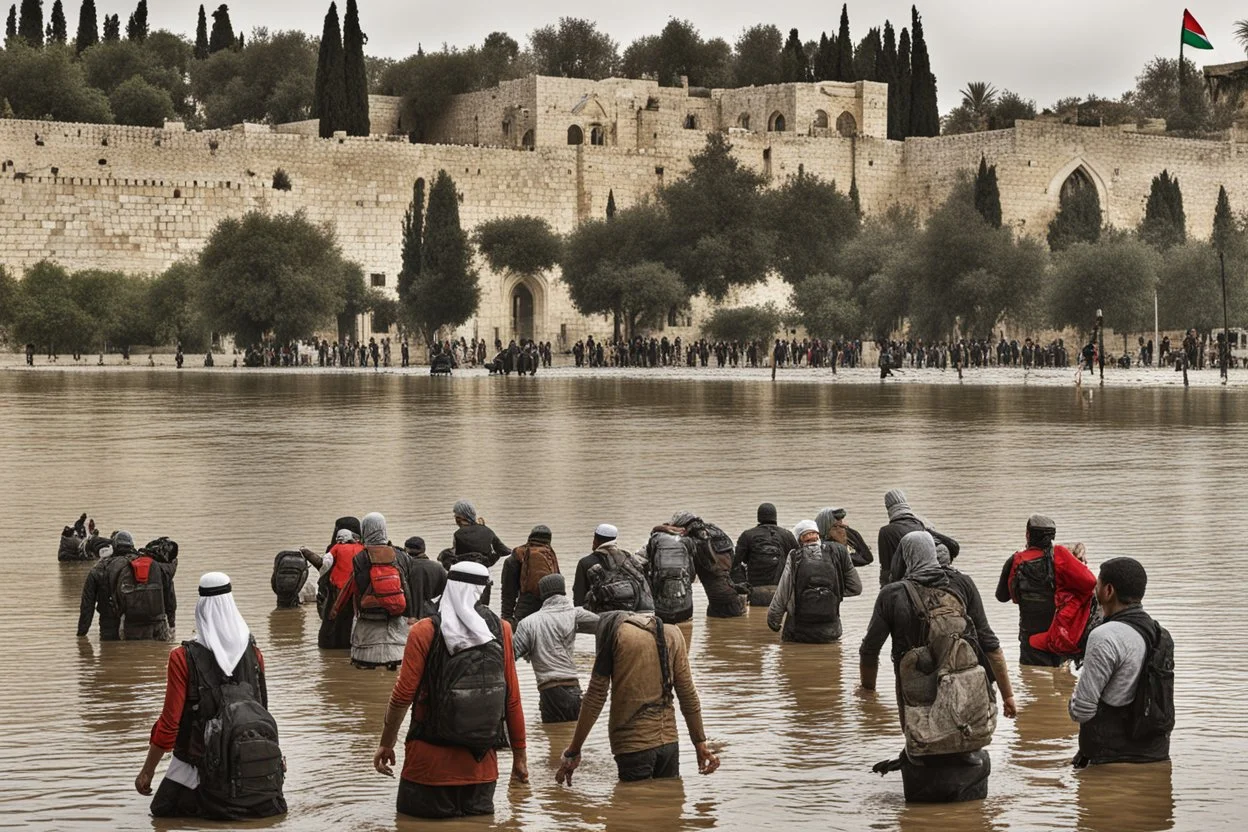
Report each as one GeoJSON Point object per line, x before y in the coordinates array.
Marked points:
{"type": "Point", "coordinates": [216, 713]}
{"type": "Point", "coordinates": [379, 593]}
{"type": "Point", "coordinates": [817, 576]}
{"type": "Point", "coordinates": [459, 682]}
{"type": "Point", "coordinates": [546, 638]}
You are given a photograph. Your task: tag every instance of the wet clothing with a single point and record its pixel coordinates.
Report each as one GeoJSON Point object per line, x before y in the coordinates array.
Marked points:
{"type": "Point", "coordinates": [889, 538]}
{"type": "Point", "coordinates": [97, 595]}
{"type": "Point", "coordinates": [859, 552]}
{"type": "Point", "coordinates": [547, 639]}
{"type": "Point", "coordinates": [377, 642]}
{"type": "Point", "coordinates": [580, 582]}
{"type": "Point", "coordinates": [604, 556]}
{"type": "Point", "coordinates": [747, 566]}
{"type": "Point", "coordinates": [1101, 704]}
{"type": "Point", "coordinates": [163, 573]}
{"type": "Point", "coordinates": [516, 603]}
{"type": "Point", "coordinates": [895, 616]}
{"type": "Point", "coordinates": [628, 666]}
{"type": "Point", "coordinates": [652, 764]}
{"type": "Point", "coordinates": [480, 540]}
{"type": "Point", "coordinates": [444, 766]}
{"type": "Point", "coordinates": [560, 702]}
{"type": "Point", "coordinates": [783, 608]}
{"type": "Point", "coordinates": [1046, 638]}
{"type": "Point", "coordinates": [427, 579]}
{"type": "Point", "coordinates": [439, 802]}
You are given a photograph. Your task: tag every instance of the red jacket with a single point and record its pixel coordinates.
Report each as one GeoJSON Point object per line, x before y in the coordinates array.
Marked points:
{"type": "Point", "coordinates": [1072, 598]}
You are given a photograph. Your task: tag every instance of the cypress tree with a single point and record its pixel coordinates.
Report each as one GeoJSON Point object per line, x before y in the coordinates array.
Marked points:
{"type": "Point", "coordinates": [987, 194]}
{"type": "Point", "coordinates": [30, 22]}
{"type": "Point", "coordinates": [611, 204]}
{"type": "Point", "coordinates": [844, 49]}
{"type": "Point", "coordinates": [136, 26]}
{"type": "Point", "coordinates": [446, 292]}
{"type": "Point", "coordinates": [1223, 223]}
{"type": "Point", "coordinates": [88, 27]}
{"type": "Point", "coordinates": [886, 71]}
{"type": "Point", "coordinates": [924, 111]}
{"type": "Point", "coordinates": [413, 230]}
{"type": "Point", "coordinates": [1165, 223]}
{"type": "Point", "coordinates": [239, 43]}
{"type": "Point", "coordinates": [853, 196]}
{"type": "Point", "coordinates": [793, 59]}
{"type": "Point", "coordinates": [355, 120]}
{"type": "Point", "coordinates": [903, 85]}
{"type": "Point", "coordinates": [222, 36]}
{"type": "Point", "coordinates": [867, 56]}
{"type": "Point", "coordinates": [819, 70]}
{"type": "Point", "coordinates": [330, 89]}
{"type": "Point", "coordinates": [1078, 217]}
{"type": "Point", "coordinates": [201, 35]}
{"type": "Point", "coordinates": [57, 32]}
{"type": "Point", "coordinates": [10, 25]}
{"type": "Point", "coordinates": [112, 28]}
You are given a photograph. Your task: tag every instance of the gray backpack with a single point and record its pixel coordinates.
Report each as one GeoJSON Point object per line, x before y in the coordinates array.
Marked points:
{"type": "Point", "coordinates": [948, 704]}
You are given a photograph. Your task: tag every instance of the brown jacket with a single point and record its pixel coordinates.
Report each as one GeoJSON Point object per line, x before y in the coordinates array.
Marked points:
{"type": "Point", "coordinates": [639, 719]}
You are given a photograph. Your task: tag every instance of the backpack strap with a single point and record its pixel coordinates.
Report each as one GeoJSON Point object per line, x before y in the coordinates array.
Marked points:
{"type": "Point", "coordinates": [665, 669]}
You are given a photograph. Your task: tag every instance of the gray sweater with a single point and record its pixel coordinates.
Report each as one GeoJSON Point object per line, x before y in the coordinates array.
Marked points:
{"type": "Point", "coordinates": [1111, 669]}
{"type": "Point", "coordinates": [547, 637]}
{"type": "Point", "coordinates": [783, 603]}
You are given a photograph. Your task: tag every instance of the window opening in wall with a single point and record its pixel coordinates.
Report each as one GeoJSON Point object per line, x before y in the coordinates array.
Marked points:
{"type": "Point", "coordinates": [378, 280]}
{"type": "Point", "coordinates": [575, 135]}
{"type": "Point", "coordinates": [847, 125]}
{"type": "Point", "coordinates": [528, 140]}
{"type": "Point", "coordinates": [597, 136]}
{"type": "Point", "coordinates": [506, 128]}
{"type": "Point", "coordinates": [767, 161]}
{"type": "Point", "coordinates": [743, 121]}
{"type": "Point", "coordinates": [177, 193]}
{"type": "Point", "coordinates": [691, 122]}
{"type": "Point", "coordinates": [103, 162]}
{"type": "Point", "coordinates": [821, 120]}
{"type": "Point", "coordinates": [776, 122]}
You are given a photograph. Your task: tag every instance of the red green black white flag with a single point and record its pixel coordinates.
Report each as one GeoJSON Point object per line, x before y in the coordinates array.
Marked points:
{"type": "Point", "coordinates": [1193, 35]}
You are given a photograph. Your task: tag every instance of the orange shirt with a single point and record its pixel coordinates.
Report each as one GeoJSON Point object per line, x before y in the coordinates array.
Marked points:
{"type": "Point", "coordinates": [165, 732]}
{"type": "Point", "coordinates": [443, 765]}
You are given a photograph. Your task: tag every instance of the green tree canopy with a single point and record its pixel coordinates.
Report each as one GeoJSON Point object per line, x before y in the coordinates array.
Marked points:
{"type": "Point", "coordinates": [521, 245]}
{"type": "Point", "coordinates": [1165, 223]}
{"type": "Point", "coordinates": [355, 114]}
{"type": "Point", "coordinates": [1189, 288]}
{"type": "Point", "coordinates": [744, 323]}
{"type": "Point", "coordinates": [201, 35]}
{"type": "Point", "coordinates": [136, 26]}
{"type": "Point", "coordinates": [827, 307]}
{"type": "Point", "coordinates": [574, 48]}
{"type": "Point", "coordinates": [278, 275]}
{"type": "Point", "coordinates": [446, 292]}
{"type": "Point", "coordinates": [57, 30]}
{"type": "Point", "coordinates": [758, 61]}
{"type": "Point", "coordinates": [1117, 275]}
{"type": "Point", "coordinates": [1078, 217]}
{"type": "Point", "coordinates": [924, 111]}
{"type": "Point", "coordinates": [88, 27]}
{"type": "Point", "coordinates": [810, 221]}
{"type": "Point", "coordinates": [140, 103]}
{"type": "Point", "coordinates": [269, 81]}
{"type": "Point", "coordinates": [46, 312]}
{"type": "Point", "coordinates": [174, 314]}
{"type": "Point", "coordinates": [222, 36]}
{"type": "Point", "coordinates": [329, 96]}
{"type": "Point", "coordinates": [987, 195]}
{"type": "Point", "coordinates": [30, 23]}
{"type": "Point", "coordinates": [48, 83]}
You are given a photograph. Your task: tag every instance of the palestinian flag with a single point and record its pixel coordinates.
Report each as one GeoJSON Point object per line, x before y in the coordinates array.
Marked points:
{"type": "Point", "coordinates": [1193, 35]}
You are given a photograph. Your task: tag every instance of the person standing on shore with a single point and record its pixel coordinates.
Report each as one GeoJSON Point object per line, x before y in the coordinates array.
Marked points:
{"type": "Point", "coordinates": [459, 683]}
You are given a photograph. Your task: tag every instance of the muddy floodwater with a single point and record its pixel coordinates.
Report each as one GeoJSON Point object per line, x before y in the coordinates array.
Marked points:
{"type": "Point", "coordinates": [236, 466]}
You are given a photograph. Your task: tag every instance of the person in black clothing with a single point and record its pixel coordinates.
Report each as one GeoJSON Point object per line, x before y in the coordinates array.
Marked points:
{"type": "Point", "coordinates": [473, 539]}
{"type": "Point", "coordinates": [97, 594]}
{"type": "Point", "coordinates": [425, 578]}
{"type": "Point", "coordinates": [725, 599]}
{"type": "Point", "coordinates": [604, 534]}
{"type": "Point", "coordinates": [894, 617]}
{"type": "Point", "coordinates": [760, 554]}
{"type": "Point", "coordinates": [901, 521]}
{"type": "Point", "coordinates": [832, 527]}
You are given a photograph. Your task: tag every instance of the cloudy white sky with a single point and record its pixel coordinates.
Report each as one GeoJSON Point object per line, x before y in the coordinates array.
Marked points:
{"type": "Point", "coordinates": [1042, 50]}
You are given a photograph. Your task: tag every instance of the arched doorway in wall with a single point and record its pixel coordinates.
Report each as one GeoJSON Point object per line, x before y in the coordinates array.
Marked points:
{"type": "Point", "coordinates": [528, 140]}
{"type": "Point", "coordinates": [597, 135]}
{"type": "Point", "coordinates": [743, 121]}
{"type": "Point", "coordinates": [523, 312]}
{"type": "Point", "coordinates": [775, 124]}
{"type": "Point", "coordinates": [1077, 180]}
{"type": "Point", "coordinates": [847, 125]}
{"type": "Point", "coordinates": [1074, 176]}
{"type": "Point", "coordinates": [576, 135]}
{"type": "Point", "coordinates": [821, 120]}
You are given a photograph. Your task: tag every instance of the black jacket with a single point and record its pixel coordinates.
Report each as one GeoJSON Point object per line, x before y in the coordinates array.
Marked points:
{"type": "Point", "coordinates": [894, 617]}
{"type": "Point", "coordinates": [97, 595]}
{"type": "Point", "coordinates": [890, 536]}
{"type": "Point", "coordinates": [748, 543]}
{"type": "Point", "coordinates": [859, 552]}
{"type": "Point", "coordinates": [481, 540]}
{"type": "Point", "coordinates": [516, 604]}
{"type": "Point", "coordinates": [580, 584]}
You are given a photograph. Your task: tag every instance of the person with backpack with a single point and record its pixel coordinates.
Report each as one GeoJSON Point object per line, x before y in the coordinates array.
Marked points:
{"type": "Point", "coordinates": [603, 534]}
{"type": "Point", "coordinates": [901, 521]}
{"type": "Point", "coordinates": [546, 638]}
{"type": "Point", "coordinates": [289, 580]}
{"type": "Point", "coordinates": [669, 555]}
{"type": "Point", "coordinates": [216, 714]}
{"type": "Point", "coordinates": [425, 578]}
{"type": "Point", "coordinates": [833, 528]}
{"type": "Point", "coordinates": [97, 595]}
{"type": "Point", "coordinates": [760, 554]}
{"type": "Point", "coordinates": [142, 591]}
{"type": "Point", "coordinates": [713, 555]}
{"type": "Point", "coordinates": [645, 666]}
{"type": "Point", "coordinates": [523, 569]}
{"type": "Point", "coordinates": [613, 577]}
{"type": "Point", "coordinates": [1124, 699]}
{"type": "Point", "coordinates": [1053, 588]}
{"type": "Point", "coordinates": [335, 572]}
{"type": "Point", "coordinates": [378, 593]}
{"type": "Point", "coordinates": [473, 539]}
{"type": "Point", "coordinates": [817, 576]}
{"type": "Point", "coordinates": [459, 683]}
{"type": "Point", "coordinates": [945, 659]}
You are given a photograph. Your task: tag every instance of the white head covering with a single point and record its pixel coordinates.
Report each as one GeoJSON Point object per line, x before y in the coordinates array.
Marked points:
{"type": "Point", "coordinates": [606, 531]}
{"type": "Point", "coordinates": [803, 527]}
{"type": "Point", "coordinates": [218, 624]}
{"type": "Point", "coordinates": [344, 536]}
{"type": "Point", "coordinates": [462, 625]}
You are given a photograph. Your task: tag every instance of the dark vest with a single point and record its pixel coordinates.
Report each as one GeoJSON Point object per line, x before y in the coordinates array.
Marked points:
{"type": "Point", "coordinates": [1106, 738]}
{"type": "Point", "coordinates": [1033, 587]}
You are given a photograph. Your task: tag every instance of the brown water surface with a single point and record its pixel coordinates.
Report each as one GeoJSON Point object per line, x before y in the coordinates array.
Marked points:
{"type": "Point", "coordinates": [236, 466]}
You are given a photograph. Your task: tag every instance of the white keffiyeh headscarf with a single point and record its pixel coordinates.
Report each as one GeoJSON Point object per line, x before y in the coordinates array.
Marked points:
{"type": "Point", "coordinates": [218, 624]}
{"type": "Point", "coordinates": [462, 625]}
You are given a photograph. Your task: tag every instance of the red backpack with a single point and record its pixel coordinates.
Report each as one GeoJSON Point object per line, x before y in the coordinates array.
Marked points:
{"type": "Point", "coordinates": [384, 596]}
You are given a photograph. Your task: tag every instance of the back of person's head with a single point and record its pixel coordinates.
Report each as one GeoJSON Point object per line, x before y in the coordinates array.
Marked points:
{"type": "Point", "coordinates": [1040, 531]}
{"type": "Point", "coordinates": [414, 546]}
{"type": "Point", "coordinates": [767, 513]}
{"type": "Point", "coordinates": [1127, 577]}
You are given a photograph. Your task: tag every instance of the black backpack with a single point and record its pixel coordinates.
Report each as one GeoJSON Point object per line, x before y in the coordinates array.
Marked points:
{"type": "Point", "coordinates": [162, 549]}
{"type": "Point", "coordinates": [1036, 579]}
{"type": "Point", "coordinates": [241, 768]}
{"type": "Point", "coordinates": [139, 593]}
{"type": "Point", "coordinates": [671, 576]}
{"type": "Point", "coordinates": [1152, 710]}
{"type": "Point", "coordinates": [766, 560]}
{"type": "Point", "coordinates": [816, 598]}
{"type": "Point", "coordinates": [290, 573]}
{"type": "Point", "coordinates": [466, 693]}
{"type": "Point", "coordinates": [618, 587]}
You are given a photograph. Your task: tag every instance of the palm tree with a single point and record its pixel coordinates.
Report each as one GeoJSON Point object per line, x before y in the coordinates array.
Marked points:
{"type": "Point", "coordinates": [978, 98]}
{"type": "Point", "coordinates": [1241, 33]}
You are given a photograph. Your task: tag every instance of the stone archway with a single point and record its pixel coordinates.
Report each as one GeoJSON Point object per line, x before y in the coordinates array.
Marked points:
{"type": "Point", "coordinates": [775, 124]}
{"type": "Point", "coordinates": [820, 121]}
{"type": "Point", "coordinates": [523, 312]}
{"type": "Point", "coordinates": [847, 125]}
{"type": "Point", "coordinates": [1075, 173]}
{"type": "Point", "coordinates": [576, 135]}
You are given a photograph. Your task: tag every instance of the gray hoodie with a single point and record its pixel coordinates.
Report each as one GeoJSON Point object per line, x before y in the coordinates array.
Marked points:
{"type": "Point", "coordinates": [547, 637]}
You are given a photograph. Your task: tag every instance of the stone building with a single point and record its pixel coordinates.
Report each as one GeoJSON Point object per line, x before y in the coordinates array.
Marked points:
{"type": "Point", "coordinates": [139, 199]}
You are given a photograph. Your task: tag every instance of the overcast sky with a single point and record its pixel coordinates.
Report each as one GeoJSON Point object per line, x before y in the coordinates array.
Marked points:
{"type": "Point", "coordinates": [1041, 50]}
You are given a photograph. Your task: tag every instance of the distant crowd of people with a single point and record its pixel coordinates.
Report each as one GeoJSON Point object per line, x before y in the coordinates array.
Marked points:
{"type": "Point", "coordinates": [662, 352]}
{"type": "Point", "coordinates": [430, 619]}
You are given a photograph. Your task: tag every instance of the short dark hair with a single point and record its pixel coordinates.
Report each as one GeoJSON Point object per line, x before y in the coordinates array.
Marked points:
{"type": "Point", "coordinates": [1127, 577]}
